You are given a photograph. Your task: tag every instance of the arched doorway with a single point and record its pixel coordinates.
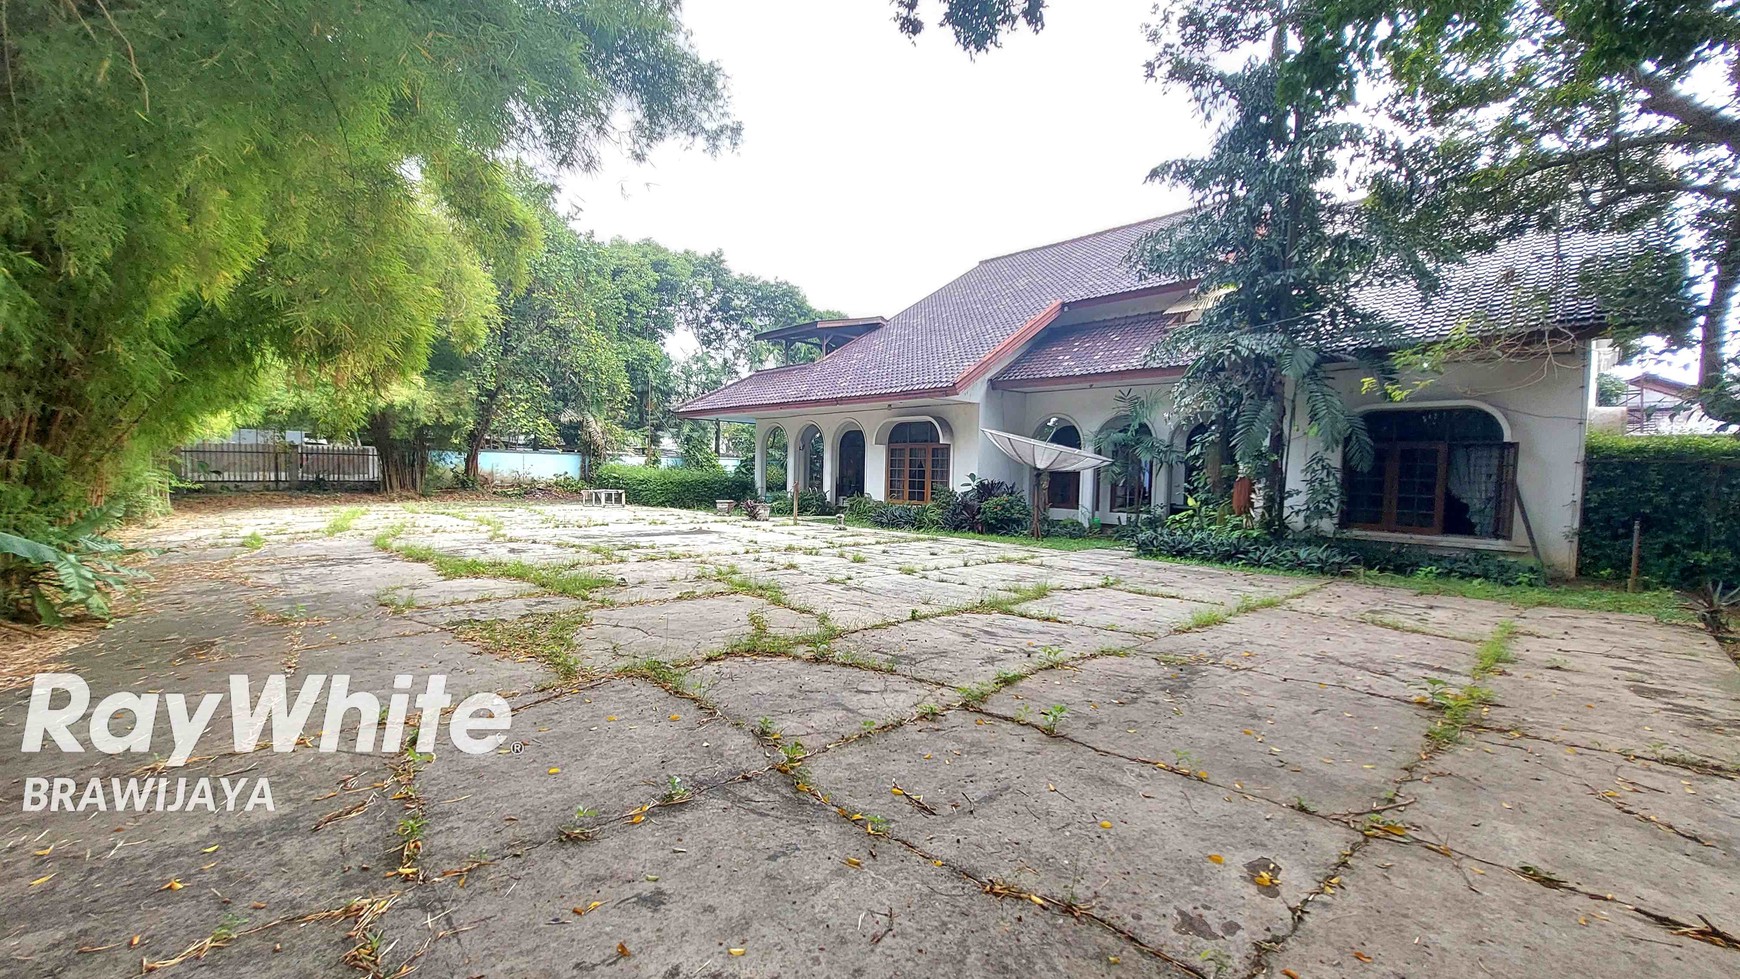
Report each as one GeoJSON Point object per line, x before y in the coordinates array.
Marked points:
{"type": "Point", "coordinates": [774, 451]}
{"type": "Point", "coordinates": [809, 458]}
{"type": "Point", "coordinates": [1063, 490]}
{"type": "Point", "coordinates": [849, 470]}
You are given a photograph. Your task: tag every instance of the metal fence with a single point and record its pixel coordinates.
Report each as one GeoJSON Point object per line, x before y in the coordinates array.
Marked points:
{"type": "Point", "coordinates": [280, 465]}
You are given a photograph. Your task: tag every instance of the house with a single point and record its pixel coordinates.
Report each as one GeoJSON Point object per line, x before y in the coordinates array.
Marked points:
{"type": "Point", "coordinates": [1486, 455]}
{"type": "Point", "coordinates": [1656, 405]}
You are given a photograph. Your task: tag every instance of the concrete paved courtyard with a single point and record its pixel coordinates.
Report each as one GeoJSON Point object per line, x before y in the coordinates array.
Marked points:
{"type": "Point", "coordinates": [773, 750]}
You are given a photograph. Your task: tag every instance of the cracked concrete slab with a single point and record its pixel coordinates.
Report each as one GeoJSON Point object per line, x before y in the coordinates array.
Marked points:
{"type": "Point", "coordinates": [681, 630]}
{"type": "Point", "coordinates": [974, 647]}
{"type": "Point", "coordinates": [1402, 912]}
{"type": "Point", "coordinates": [1443, 615]}
{"type": "Point", "coordinates": [610, 748]}
{"type": "Point", "coordinates": [1299, 646]}
{"type": "Point", "coordinates": [756, 868]}
{"type": "Point", "coordinates": [1331, 749]}
{"type": "Point", "coordinates": [1663, 838]}
{"type": "Point", "coordinates": [1143, 614]}
{"type": "Point", "coordinates": [815, 702]}
{"type": "Point", "coordinates": [1137, 844]}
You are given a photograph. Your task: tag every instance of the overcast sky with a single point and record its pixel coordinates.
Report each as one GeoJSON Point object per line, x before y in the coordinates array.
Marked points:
{"type": "Point", "coordinates": [873, 169]}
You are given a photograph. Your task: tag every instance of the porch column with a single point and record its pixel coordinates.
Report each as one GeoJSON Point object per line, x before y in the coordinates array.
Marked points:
{"type": "Point", "coordinates": [1090, 497]}
{"type": "Point", "coordinates": [760, 463]}
{"type": "Point", "coordinates": [793, 460]}
{"type": "Point", "coordinates": [830, 466]}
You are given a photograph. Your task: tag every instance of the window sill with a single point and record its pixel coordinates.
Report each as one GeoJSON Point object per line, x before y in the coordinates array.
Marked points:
{"type": "Point", "coordinates": [1437, 540]}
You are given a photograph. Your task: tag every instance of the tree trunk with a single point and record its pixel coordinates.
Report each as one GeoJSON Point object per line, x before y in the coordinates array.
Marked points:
{"type": "Point", "coordinates": [1274, 515]}
{"type": "Point", "coordinates": [1718, 400]}
{"type": "Point", "coordinates": [404, 462]}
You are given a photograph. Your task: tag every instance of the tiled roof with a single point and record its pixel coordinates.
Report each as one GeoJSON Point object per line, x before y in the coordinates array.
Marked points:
{"type": "Point", "coordinates": [1099, 347]}
{"type": "Point", "coordinates": [933, 343]}
{"type": "Point", "coordinates": [1526, 285]}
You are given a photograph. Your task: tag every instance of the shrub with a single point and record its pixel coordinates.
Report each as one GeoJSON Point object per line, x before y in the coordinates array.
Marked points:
{"type": "Point", "coordinates": [895, 516]}
{"type": "Point", "coordinates": [859, 507]}
{"type": "Point", "coordinates": [1320, 555]}
{"type": "Point", "coordinates": [1685, 489]}
{"type": "Point", "coordinates": [935, 514]}
{"type": "Point", "coordinates": [690, 489]}
{"type": "Point", "coordinates": [1068, 529]}
{"type": "Point", "coordinates": [61, 571]}
{"type": "Point", "coordinates": [1004, 514]}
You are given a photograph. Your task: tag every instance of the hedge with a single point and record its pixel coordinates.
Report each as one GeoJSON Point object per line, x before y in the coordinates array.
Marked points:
{"type": "Point", "coordinates": [1686, 491]}
{"type": "Point", "coordinates": [689, 489]}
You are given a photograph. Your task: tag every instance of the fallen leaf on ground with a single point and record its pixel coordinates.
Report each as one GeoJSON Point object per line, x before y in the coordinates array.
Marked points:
{"type": "Point", "coordinates": [1216, 858]}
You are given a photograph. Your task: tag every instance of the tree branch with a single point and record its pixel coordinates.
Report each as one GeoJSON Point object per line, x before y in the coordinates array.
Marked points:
{"type": "Point", "coordinates": [1664, 99]}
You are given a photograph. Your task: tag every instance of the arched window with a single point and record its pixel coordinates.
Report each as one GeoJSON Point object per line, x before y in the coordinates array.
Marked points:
{"type": "Point", "coordinates": [918, 463]}
{"type": "Point", "coordinates": [1434, 471]}
{"type": "Point", "coordinates": [1063, 490]}
{"type": "Point", "coordinates": [849, 481]}
{"type": "Point", "coordinates": [1132, 477]}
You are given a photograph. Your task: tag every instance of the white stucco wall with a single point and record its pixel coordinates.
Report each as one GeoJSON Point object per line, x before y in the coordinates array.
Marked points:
{"type": "Point", "coordinates": [1541, 402]}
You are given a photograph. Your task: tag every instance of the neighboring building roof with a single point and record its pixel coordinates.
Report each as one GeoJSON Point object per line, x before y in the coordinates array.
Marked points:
{"type": "Point", "coordinates": [819, 329]}
{"type": "Point", "coordinates": [1664, 385]}
{"type": "Point", "coordinates": [934, 348]}
{"type": "Point", "coordinates": [931, 346]}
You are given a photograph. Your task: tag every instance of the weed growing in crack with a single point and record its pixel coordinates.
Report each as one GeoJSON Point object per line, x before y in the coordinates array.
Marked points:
{"type": "Point", "coordinates": [675, 791]}
{"type": "Point", "coordinates": [547, 637]}
{"type": "Point", "coordinates": [1052, 717]}
{"type": "Point", "coordinates": [254, 541]}
{"type": "Point", "coordinates": [342, 521]}
{"type": "Point", "coordinates": [765, 728]}
{"type": "Point", "coordinates": [580, 828]}
{"type": "Point", "coordinates": [1458, 707]}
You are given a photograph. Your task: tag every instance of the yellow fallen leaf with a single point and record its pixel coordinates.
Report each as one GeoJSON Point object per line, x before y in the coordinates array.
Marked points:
{"type": "Point", "coordinates": [1105, 824]}
{"type": "Point", "coordinates": [595, 905]}
{"type": "Point", "coordinates": [896, 791]}
{"type": "Point", "coordinates": [612, 718]}
{"type": "Point", "coordinates": [736, 951]}
{"type": "Point", "coordinates": [637, 817]}
{"type": "Point", "coordinates": [42, 880]}
{"type": "Point", "coordinates": [211, 849]}
{"type": "Point", "coordinates": [174, 884]}
{"type": "Point", "coordinates": [622, 950]}
{"type": "Point", "coordinates": [1262, 879]}
{"type": "Point", "coordinates": [937, 863]}
{"type": "Point", "coordinates": [1361, 956]}
{"type": "Point", "coordinates": [1036, 899]}
{"type": "Point", "coordinates": [555, 771]}
{"type": "Point", "coordinates": [676, 717]}
{"type": "Point", "coordinates": [854, 862]}
{"type": "Point", "coordinates": [1216, 858]}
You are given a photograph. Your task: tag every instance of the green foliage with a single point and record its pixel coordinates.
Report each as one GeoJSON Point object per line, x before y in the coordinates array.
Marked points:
{"type": "Point", "coordinates": [64, 571]}
{"type": "Point", "coordinates": [1609, 389]}
{"type": "Point", "coordinates": [201, 196]}
{"type": "Point", "coordinates": [696, 444]}
{"type": "Point", "coordinates": [1258, 548]}
{"type": "Point", "coordinates": [859, 508]}
{"type": "Point", "coordinates": [896, 516]}
{"type": "Point", "coordinates": [1005, 514]}
{"type": "Point", "coordinates": [1513, 115]}
{"type": "Point", "coordinates": [1686, 491]}
{"type": "Point", "coordinates": [689, 489]}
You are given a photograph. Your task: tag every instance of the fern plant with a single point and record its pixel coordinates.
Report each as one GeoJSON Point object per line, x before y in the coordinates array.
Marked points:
{"type": "Point", "coordinates": [69, 571]}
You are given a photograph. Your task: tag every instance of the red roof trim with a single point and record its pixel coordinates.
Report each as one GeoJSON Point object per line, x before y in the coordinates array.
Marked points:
{"type": "Point", "coordinates": [1019, 339]}
{"type": "Point", "coordinates": [859, 399]}
{"type": "Point", "coordinates": [1070, 380]}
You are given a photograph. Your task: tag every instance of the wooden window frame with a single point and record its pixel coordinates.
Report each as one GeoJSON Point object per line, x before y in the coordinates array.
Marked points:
{"type": "Point", "coordinates": [1389, 457]}
{"type": "Point", "coordinates": [899, 491]}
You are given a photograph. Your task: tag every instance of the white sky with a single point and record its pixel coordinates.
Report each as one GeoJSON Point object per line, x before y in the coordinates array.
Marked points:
{"type": "Point", "coordinates": [874, 170]}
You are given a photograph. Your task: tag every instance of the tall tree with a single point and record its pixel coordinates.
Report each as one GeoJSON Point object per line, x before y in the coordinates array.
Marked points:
{"type": "Point", "coordinates": [197, 191]}
{"type": "Point", "coordinates": [1271, 238]}
{"type": "Point", "coordinates": [1616, 114]}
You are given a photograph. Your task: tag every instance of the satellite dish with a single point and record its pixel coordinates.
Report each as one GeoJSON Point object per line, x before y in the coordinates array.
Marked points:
{"type": "Point", "coordinates": [1045, 458]}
